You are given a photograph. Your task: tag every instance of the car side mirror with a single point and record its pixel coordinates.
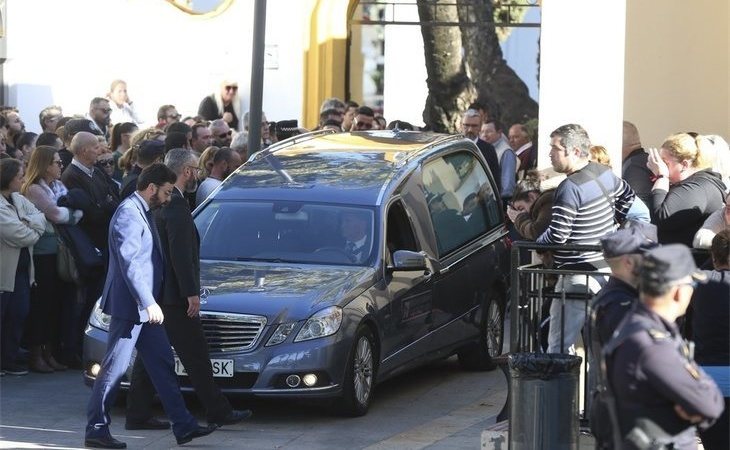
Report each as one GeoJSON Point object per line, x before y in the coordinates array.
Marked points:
{"type": "Point", "coordinates": [408, 260]}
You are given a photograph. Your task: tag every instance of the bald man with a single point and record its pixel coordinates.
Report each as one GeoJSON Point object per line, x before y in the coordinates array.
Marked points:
{"type": "Point", "coordinates": [634, 169]}
{"type": "Point", "coordinates": [98, 204]}
{"type": "Point", "coordinates": [102, 191]}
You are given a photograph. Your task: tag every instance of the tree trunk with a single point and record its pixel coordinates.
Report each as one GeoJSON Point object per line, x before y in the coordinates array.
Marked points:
{"type": "Point", "coordinates": [498, 86]}
{"type": "Point", "coordinates": [449, 89]}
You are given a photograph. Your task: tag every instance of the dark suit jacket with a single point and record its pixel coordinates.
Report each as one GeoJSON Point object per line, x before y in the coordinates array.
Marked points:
{"type": "Point", "coordinates": [104, 196]}
{"type": "Point", "coordinates": [635, 172]}
{"type": "Point", "coordinates": [181, 247]}
{"type": "Point", "coordinates": [490, 154]}
{"type": "Point", "coordinates": [129, 183]}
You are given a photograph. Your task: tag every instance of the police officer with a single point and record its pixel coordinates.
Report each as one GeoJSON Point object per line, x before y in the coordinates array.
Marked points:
{"type": "Point", "coordinates": [660, 393]}
{"type": "Point", "coordinates": [622, 251]}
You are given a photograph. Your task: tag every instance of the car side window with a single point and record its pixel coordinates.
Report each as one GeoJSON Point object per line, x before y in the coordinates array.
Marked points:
{"type": "Point", "coordinates": [461, 200]}
{"type": "Point", "coordinates": [399, 233]}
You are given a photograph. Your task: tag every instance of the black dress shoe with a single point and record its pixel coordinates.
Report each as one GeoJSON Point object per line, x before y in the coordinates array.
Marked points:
{"type": "Point", "coordinates": [234, 416]}
{"type": "Point", "coordinates": [149, 424]}
{"type": "Point", "coordinates": [195, 433]}
{"type": "Point", "coordinates": [104, 442]}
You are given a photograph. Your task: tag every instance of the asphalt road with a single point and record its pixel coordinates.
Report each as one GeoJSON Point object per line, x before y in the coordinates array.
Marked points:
{"type": "Point", "coordinates": [435, 407]}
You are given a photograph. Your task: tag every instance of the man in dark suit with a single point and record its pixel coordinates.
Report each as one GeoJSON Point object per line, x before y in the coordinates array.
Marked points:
{"type": "Point", "coordinates": [83, 174]}
{"type": "Point", "coordinates": [133, 282]}
{"type": "Point", "coordinates": [471, 125]}
{"type": "Point", "coordinates": [355, 230]}
{"type": "Point", "coordinates": [181, 305]}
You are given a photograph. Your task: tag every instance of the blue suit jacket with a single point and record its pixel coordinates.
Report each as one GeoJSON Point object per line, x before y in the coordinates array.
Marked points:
{"type": "Point", "coordinates": [134, 277]}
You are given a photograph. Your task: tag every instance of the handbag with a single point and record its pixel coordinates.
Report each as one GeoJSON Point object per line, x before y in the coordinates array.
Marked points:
{"type": "Point", "coordinates": [65, 264]}
{"type": "Point", "coordinates": [87, 258]}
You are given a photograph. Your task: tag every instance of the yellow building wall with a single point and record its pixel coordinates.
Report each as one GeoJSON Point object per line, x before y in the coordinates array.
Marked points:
{"type": "Point", "coordinates": [676, 75]}
{"type": "Point", "coordinates": [325, 57]}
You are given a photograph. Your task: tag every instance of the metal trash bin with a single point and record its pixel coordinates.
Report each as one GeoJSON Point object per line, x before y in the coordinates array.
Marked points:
{"type": "Point", "coordinates": [543, 401]}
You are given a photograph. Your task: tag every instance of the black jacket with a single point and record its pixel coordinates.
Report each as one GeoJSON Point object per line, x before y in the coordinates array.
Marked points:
{"type": "Point", "coordinates": [104, 197]}
{"type": "Point", "coordinates": [635, 172]}
{"type": "Point", "coordinates": [679, 213]}
{"type": "Point", "coordinates": [181, 247]}
{"type": "Point", "coordinates": [129, 183]}
{"type": "Point", "coordinates": [710, 312]}
{"type": "Point", "coordinates": [490, 154]}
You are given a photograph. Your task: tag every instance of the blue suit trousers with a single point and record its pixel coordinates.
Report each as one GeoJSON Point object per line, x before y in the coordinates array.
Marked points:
{"type": "Point", "coordinates": [154, 349]}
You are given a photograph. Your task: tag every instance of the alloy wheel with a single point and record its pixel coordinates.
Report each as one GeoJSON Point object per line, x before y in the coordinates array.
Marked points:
{"type": "Point", "coordinates": [363, 368]}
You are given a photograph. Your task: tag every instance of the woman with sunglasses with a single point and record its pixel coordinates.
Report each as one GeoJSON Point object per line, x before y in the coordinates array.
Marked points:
{"type": "Point", "coordinates": [43, 187]}
{"type": "Point", "coordinates": [223, 104]}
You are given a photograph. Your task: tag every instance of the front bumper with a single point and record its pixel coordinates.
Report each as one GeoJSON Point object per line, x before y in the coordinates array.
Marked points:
{"type": "Point", "coordinates": [261, 371]}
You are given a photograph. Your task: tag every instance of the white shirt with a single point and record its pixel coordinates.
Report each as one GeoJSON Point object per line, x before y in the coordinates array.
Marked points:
{"type": "Point", "coordinates": [522, 149]}
{"type": "Point", "coordinates": [86, 170]}
{"type": "Point", "coordinates": [124, 113]}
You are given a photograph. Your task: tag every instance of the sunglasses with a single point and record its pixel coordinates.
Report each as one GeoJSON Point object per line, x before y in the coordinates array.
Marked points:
{"type": "Point", "coordinates": [231, 88]}
{"type": "Point", "coordinates": [174, 116]}
{"type": "Point", "coordinates": [106, 162]}
{"type": "Point", "coordinates": [59, 163]}
{"type": "Point", "coordinates": [225, 135]}
{"type": "Point", "coordinates": [105, 110]}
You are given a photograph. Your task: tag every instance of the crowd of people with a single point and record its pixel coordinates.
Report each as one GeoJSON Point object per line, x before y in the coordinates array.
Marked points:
{"type": "Point", "coordinates": [78, 169]}
{"type": "Point", "coordinates": [644, 280]}
{"type": "Point", "coordinates": [61, 189]}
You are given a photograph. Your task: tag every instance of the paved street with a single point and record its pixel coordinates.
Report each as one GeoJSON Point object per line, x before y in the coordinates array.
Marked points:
{"type": "Point", "coordinates": [436, 407]}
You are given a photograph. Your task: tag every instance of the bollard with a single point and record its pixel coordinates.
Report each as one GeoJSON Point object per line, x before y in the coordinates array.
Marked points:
{"type": "Point", "coordinates": [543, 404]}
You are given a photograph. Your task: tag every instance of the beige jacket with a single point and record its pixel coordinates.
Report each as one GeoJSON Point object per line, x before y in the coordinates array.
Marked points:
{"type": "Point", "coordinates": [20, 226]}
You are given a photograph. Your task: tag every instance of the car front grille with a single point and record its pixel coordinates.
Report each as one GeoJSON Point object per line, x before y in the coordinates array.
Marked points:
{"type": "Point", "coordinates": [227, 332]}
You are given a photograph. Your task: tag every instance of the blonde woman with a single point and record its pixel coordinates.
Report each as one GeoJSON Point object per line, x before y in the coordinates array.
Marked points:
{"type": "Point", "coordinates": [685, 191]}
{"type": "Point", "coordinates": [206, 161]}
{"type": "Point", "coordinates": [224, 104]}
{"type": "Point", "coordinates": [43, 187]}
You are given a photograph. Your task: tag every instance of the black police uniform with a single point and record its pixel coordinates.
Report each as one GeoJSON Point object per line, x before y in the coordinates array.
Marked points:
{"type": "Point", "coordinates": [609, 307]}
{"type": "Point", "coordinates": [650, 370]}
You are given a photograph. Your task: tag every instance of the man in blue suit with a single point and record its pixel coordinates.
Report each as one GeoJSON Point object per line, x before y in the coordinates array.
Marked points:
{"type": "Point", "coordinates": [133, 282]}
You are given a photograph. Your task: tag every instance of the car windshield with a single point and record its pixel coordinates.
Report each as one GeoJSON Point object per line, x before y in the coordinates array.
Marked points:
{"type": "Point", "coordinates": [286, 232]}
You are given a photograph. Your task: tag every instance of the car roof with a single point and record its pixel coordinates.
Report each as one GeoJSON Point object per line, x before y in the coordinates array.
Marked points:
{"type": "Point", "coordinates": [352, 168]}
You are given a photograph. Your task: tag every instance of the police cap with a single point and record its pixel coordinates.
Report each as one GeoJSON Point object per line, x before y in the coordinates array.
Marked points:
{"type": "Point", "coordinates": [624, 242]}
{"type": "Point", "coordinates": [667, 264]}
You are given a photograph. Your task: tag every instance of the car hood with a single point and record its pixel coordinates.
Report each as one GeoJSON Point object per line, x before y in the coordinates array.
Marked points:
{"type": "Point", "coordinates": [282, 293]}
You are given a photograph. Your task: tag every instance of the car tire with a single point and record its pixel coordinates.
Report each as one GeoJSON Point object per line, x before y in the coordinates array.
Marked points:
{"type": "Point", "coordinates": [478, 355]}
{"type": "Point", "coordinates": [359, 380]}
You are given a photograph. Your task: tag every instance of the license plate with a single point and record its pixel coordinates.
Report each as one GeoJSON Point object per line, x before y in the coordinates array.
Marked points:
{"type": "Point", "coordinates": [222, 368]}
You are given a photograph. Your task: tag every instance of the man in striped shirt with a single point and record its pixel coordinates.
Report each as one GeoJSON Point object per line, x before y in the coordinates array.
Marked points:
{"type": "Point", "coordinates": [588, 205]}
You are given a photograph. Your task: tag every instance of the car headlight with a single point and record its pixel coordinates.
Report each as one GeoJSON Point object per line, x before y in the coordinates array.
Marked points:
{"type": "Point", "coordinates": [321, 324]}
{"type": "Point", "coordinates": [98, 319]}
{"type": "Point", "coordinates": [281, 333]}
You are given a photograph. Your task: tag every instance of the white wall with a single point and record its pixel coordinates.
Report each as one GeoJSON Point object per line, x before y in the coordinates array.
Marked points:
{"type": "Point", "coordinates": [582, 72]}
{"type": "Point", "coordinates": [677, 68]}
{"type": "Point", "coordinates": [67, 52]}
{"type": "Point", "coordinates": [405, 89]}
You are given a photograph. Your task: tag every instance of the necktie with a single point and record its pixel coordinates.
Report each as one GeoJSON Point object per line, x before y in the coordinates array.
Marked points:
{"type": "Point", "coordinates": [153, 229]}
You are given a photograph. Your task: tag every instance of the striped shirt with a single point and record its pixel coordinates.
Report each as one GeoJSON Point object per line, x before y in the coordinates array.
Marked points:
{"type": "Point", "coordinates": [583, 213]}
